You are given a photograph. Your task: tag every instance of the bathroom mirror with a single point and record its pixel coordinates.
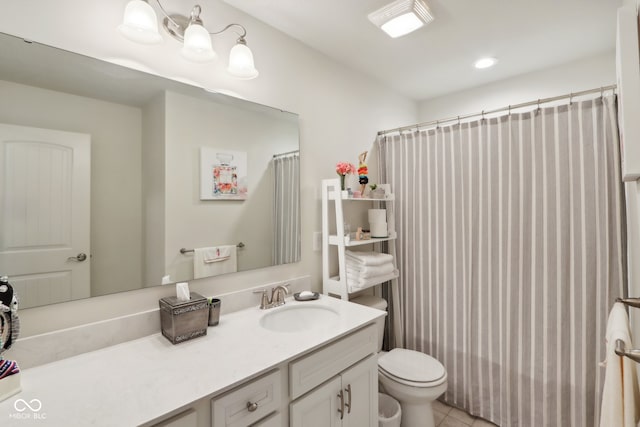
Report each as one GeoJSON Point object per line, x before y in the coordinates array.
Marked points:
{"type": "Point", "coordinates": [106, 173]}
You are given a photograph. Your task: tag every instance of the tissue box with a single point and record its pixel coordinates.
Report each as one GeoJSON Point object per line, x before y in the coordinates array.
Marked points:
{"type": "Point", "coordinates": [184, 320]}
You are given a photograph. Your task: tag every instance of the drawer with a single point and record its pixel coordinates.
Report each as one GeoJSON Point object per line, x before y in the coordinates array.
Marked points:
{"type": "Point", "coordinates": [232, 409]}
{"type": "Point", "coordinates": [310, 371]}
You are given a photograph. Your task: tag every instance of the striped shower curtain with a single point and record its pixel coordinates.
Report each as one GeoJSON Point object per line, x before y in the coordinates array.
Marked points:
{"type": "Point", "coordinates": [286, 208]}
{"type": "Point", "coordinates": [511, 253]}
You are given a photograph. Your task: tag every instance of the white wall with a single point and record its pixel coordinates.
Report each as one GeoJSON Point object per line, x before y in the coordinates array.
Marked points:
{"type": "Point", "coordinates": [153, 189]}
{"type": "Point", "coordinates": [115, 173]}
{"type": "Point", "coordinates": [571, 77]}
{"type": "Point", "coordinates": [190, 222]}
{"type": "Point", "coordinates": [340, 112]}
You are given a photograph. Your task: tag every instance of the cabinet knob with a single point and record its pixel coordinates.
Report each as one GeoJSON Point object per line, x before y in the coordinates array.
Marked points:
{"type": "Point", "coordinates": [252, 406]}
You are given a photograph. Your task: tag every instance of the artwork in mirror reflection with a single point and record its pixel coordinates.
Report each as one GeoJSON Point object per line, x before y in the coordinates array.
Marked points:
{"type": "Point", "coordinates": [100, 183]}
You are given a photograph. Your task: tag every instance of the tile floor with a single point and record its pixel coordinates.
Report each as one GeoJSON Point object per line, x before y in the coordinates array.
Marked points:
{"type": "Point", "coordinates": [446, 416]}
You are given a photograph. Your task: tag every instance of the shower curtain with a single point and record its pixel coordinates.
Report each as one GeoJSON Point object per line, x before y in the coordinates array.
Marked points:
{"type": "Point", "coordinates": [511, 252]}
{"type": "Point", "coordinates": [286, 208]}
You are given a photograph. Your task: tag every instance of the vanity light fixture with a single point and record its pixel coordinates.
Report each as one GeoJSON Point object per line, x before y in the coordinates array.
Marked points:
{"type": "Point", "coordinates": [401, 17]}
{"type": "Point", "coordinates": [140, 25]}
{"type": "Point", "coordinates": [485, 63]}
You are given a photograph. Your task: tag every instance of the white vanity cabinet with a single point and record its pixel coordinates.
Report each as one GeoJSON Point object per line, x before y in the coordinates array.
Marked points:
{"type": "Point", "coordinates": [337, 385]}
{"type": "Point", "coordinates": [348, 400]}
{"type": "Point", "coordinates": [239, 374]}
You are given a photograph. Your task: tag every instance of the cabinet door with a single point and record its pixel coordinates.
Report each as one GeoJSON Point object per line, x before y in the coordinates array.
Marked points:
{"type": "Point", "coordinates": [319, 408]}
{"type": "Point", "coordinates": [360, 387]}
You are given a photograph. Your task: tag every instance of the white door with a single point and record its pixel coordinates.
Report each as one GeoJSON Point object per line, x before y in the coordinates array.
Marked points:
{"type": "Point", "coordinates": [44, 213]}
{"type": "Point", "coordinates": [318, 408]}
{"type": "Point", "coordinates": [360, 387]}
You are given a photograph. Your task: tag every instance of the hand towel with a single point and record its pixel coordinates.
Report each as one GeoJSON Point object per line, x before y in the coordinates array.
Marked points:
{"type": "Point", "coordinates": [217, 253]}
{"type": "Point", "coordinates": [620, 396]}
{"type": "Point", "coordinates": [211, 261]}
{"type": "Point", "coordinates": [369, 258]}
{"type": "Point", "coordinates": [369, 271]}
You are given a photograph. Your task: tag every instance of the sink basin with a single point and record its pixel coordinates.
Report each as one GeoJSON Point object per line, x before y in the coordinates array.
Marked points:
{"type": "Point", "coordinates": [299, 318]}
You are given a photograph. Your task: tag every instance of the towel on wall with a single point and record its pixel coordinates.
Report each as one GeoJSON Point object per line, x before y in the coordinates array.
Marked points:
{"type": "Point", "coordinates": [620, 396]}
{"type": "Point", "coordinates": [213, 261]}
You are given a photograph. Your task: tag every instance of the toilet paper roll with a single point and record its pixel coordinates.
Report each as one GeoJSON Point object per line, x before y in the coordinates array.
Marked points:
{"type": "Point", "coordinates": [377, 215]}
{"type": "Point", "coordinates": [379, 229]}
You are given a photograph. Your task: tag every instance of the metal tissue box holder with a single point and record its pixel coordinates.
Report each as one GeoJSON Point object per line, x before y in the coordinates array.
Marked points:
{"type": "Point", "coordinates": [184, 320]}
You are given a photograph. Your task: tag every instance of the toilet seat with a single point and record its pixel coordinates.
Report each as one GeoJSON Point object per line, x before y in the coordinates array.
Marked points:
{"type": "Point", "coordinates": [412, 368]}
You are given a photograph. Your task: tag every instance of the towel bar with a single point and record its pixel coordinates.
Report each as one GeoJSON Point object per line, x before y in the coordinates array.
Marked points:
{"type": "Point", "coordinates": [241, 245]}
{"type": "Point", "coordinates": [631, 302]}
{"type": "Point", "coordinates": [621, 350]}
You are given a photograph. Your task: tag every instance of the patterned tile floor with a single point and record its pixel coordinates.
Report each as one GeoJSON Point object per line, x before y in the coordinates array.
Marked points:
{"type": "Point", "coordinates": [446, 416]}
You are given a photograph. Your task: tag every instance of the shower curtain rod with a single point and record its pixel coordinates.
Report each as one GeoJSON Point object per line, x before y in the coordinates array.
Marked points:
{"type": "Point", "coordinates": [286, 154]}
{"type": "Point", "coordinates": [498, 110]}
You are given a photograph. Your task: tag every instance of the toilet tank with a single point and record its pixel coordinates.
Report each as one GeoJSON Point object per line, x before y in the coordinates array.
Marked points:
{"type": "Point", "coordinates": [378, 303]}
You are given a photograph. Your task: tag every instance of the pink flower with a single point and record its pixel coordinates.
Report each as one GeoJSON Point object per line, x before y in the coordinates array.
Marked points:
{"type": "Point", "coordinates": [345, 168]}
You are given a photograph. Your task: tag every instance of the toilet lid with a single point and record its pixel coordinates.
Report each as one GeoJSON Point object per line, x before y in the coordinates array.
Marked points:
{"type": "Point", "coordinates": [411, 365]}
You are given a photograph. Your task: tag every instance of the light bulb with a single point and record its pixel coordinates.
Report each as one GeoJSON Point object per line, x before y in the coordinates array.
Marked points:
{"type": "Point", "coordinates": [197, 44]}
{"type": "Point", "coordinates": [241, 62]}
{"type": "Point", "coordinates": [140, 23]}
{"type": "Point", "coordinates": [485, 63]}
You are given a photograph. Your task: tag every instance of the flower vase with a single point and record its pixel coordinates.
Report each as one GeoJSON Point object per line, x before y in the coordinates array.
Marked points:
{"type": "Point", "coordinates": [342, 182]}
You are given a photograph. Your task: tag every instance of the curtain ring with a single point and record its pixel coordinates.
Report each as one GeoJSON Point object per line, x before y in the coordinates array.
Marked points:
{"type": "Point", "coordinates": [538, 109]}
{"type": "Point", "coordinates": [458, 120]}
{"type": "Point", "coordinates": [483, 115]}
{"type": "Point", "coordinates": [509, 109]}
{"type": "Point", "coordinates": [437, 124]}
{"type": "Point", "coordinates": [601, 92]}
{"type": "Point", "coordinates": [571, 98]}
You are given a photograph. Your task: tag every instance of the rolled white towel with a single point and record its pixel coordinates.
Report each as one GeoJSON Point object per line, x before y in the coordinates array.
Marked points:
{"type": "Point", "coordinates": [369, 258]}
{"type": "Point", "coordinates": [368, 271]}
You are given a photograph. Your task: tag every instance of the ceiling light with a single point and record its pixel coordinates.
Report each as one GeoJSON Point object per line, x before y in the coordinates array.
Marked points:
{"type": "Point", "coordinates": [401, 17]}
{"type": "Point", "coordinates": [485, 63]}
{"type": "Point", "coordinates": [140, 24]}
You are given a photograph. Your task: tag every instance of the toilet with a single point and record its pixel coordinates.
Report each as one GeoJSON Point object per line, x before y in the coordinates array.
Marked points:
{"type": "Point", "coordinates": [413, 378]}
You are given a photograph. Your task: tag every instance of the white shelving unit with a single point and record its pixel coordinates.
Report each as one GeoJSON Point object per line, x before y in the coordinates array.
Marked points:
{"type": "Point", "coordinates": [332, 204]}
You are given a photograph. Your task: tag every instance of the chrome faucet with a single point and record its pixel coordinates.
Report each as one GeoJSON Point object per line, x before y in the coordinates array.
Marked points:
{"type": "Point", "coordinates": [277, 296]}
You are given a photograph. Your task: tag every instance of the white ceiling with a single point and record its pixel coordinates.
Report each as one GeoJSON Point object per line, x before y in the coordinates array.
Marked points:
{"type": "Point", "coordinates": [524, 35]}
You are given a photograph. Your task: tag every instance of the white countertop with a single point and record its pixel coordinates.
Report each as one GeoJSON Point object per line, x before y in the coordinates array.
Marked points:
{"type": "Point", "coordinates": [141, 380]}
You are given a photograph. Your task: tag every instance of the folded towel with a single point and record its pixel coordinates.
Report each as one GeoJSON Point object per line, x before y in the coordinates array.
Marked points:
{"type": "Point", "coordinates": [369, 258]}
{"type": "Point", "coordinates": [214, 261]}
{"type": "Point", "coordinates": [358, 283]}
{"type": "Point", "coordinates": [620, 396]}
{"type": "Point", "coordinates": [364, 272]}
{"type": "Point", "coordinates": [357, 278]}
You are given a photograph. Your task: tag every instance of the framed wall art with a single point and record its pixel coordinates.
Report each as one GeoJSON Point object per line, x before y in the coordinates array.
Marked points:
{"type": "Point", "coordinates": [223, 174]}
